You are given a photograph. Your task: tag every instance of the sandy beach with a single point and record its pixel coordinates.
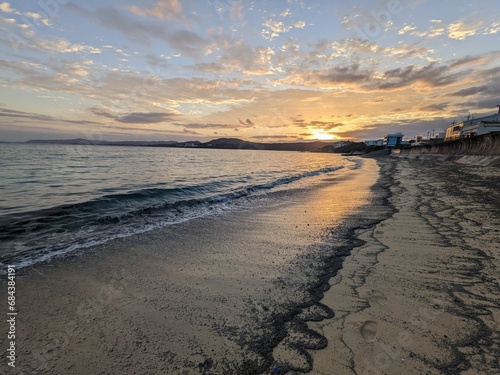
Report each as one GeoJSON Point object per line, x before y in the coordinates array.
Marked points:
{"type": "Point", "coordinates": [383, 269]}
{"type": "Point", "coordinates": [421, 295]}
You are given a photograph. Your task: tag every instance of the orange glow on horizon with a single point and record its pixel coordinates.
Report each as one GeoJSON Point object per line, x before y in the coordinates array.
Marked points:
{"type": "Point", "coordinates": [322, 136]}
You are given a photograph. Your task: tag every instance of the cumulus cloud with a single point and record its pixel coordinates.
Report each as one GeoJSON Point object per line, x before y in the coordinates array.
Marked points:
{"type": "Point", "coordinates": [458, 30]}
{"type": "Point", "coordinates": [286, 13]}
{"type": "Point", "coordinates": [274, 28]}
{"type": "Point", "coordinates": [238, 56]}
{"type": "Point", "coordinates": [406, 29]}
{"type": "Point", "coordinates": [494, 28]}
{"type": "Point", "coordinates": [61, 45]}
{"type": "Point", "coordinates": [6, 7]}
{"type": "Point", "coordinates": [163, 10]}
{"type": "Point", "coordinates": [461, 30]}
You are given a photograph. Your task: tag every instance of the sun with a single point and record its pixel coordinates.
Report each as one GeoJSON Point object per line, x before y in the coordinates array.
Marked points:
{"type": "Point", "coordinates": [322, 136]}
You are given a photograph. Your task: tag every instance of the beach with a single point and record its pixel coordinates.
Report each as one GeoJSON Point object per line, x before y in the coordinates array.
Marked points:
{"type": "Point", "coordinates": [389, 268]}
{"type": "Point", "coordinates": [421, 295]}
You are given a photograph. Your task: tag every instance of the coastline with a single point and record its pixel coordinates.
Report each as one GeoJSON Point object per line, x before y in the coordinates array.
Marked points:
{"type": "Point", "coordinates": [420, 295]}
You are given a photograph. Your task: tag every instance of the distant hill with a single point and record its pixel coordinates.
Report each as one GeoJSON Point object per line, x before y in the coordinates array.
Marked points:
{"type": "Point", "coordinates": [220, 143]}
{"type": "Point", "coordinates": [235, 143]}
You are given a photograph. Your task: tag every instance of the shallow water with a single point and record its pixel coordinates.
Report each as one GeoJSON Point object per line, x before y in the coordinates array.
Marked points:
{"type": "Point", "coordinates": [59, 198]}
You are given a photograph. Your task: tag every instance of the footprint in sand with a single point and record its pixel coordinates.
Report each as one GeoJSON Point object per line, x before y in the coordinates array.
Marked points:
{"type": "Point", "coordinates": [377, 296]}
{"type": "Point", "coordinates": [369, 330]}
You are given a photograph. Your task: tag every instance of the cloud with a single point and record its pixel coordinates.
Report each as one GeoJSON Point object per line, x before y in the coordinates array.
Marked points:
{"type": "Point", "coordinates": [25, 38]}
{"type": "Point", "coordinates": [324, 125]}
{"type": "Point", "coordinates": [10, 113]}
{"type": "Point", "coordinates": [247, 122]}
{"type": "Point", "coordinates": [184, 41]}
{"type": "Point", "coordinates": [470, 91]}
{"type": "Point", "coordinates": [460, 30]}
{"type": "Point", "coordinates": [286, 13]}
{"type": "Point", "coordinates": [494, 28]}
{"type": "Point", "coordinates": [186, 131]}
{"type": "Point", "coordinates": [457, 30]}
{"type": "Point", "coordinates": [137, 117]}
{"type": "Point", "coordinates": [102, 112]}
{"type": "Point", "coordinates": [6, 7]}
{"type": "Point", "coordinates": [60, 75]}
{"type": "Point", "coordinates": [370, 79]}
{"type": "Point", "coordinates": [431, 75]}
{"type": "Point", "coordinates": [437, 107]}
{"type": "Point", "coordinates": [274, 28]}
{"type": "Point", "coordinates": [345, 74]}
{"type": "Point", "coordinates": [435, 30]}
{"type": "Point", "coordinates": [199, 125]}
{"type": "Point", "coordinates": [240, 57]}
{"type": "Point", "coordinates": [406, 29]}
{"type": "Point", "coordinates": [61, 45]}
{"type": "Point", "coordinates": [146, 118]}
{"type": "Point", "coordinates": [163, 10]}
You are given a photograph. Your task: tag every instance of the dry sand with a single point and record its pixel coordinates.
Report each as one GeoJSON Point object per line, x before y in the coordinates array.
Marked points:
{"type": "Point", "coordinates": [421, 296]}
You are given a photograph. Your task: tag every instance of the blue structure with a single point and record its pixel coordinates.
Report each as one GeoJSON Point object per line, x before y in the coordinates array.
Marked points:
{"type": "Point", "coordinates": [392, 140]}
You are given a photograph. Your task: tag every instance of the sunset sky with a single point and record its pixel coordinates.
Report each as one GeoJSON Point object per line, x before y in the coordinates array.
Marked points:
{"type": "Point", "coordinates": [256, 70]}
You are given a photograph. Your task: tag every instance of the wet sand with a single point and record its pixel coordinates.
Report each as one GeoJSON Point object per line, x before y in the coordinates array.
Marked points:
{"type": "Point", "coordinates": [228, 294]}
{"type": "Point", "coordinates": [421, 295]}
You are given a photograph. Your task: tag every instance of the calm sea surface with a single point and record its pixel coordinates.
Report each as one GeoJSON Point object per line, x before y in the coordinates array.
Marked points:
{"type": "Point", "coordinates": [57, 198]}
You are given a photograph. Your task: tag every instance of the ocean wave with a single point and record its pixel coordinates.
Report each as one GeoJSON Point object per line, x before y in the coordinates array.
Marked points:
{"type": "Point", "coordinates": [37, 236]}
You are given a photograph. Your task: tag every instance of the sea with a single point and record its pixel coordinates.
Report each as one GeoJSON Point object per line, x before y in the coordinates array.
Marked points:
{"type": "Point", "coordinates": [55, 199]}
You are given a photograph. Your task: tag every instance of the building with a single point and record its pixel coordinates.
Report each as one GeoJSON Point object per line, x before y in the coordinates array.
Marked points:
{"type": "Point", "coordinates": [454, 131]}
{"type": "Point", "coordinates": [374, 142]}
{"type": "Point", "coordinates": [482, 126]}
{"type": "Point", "coordinates": [392, 140]}
{"type": "Point", "coordinates": [473, 126]}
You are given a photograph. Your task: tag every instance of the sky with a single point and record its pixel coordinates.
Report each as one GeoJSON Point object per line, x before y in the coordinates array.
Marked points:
{"type": "Point", "coordinates": [265, 71]}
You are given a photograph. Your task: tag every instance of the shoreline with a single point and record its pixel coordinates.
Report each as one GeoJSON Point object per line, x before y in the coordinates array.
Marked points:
{"type": "Point", "coordinates": [419, 295]}
{"type": "Point", "coordinates": [213, 295]}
